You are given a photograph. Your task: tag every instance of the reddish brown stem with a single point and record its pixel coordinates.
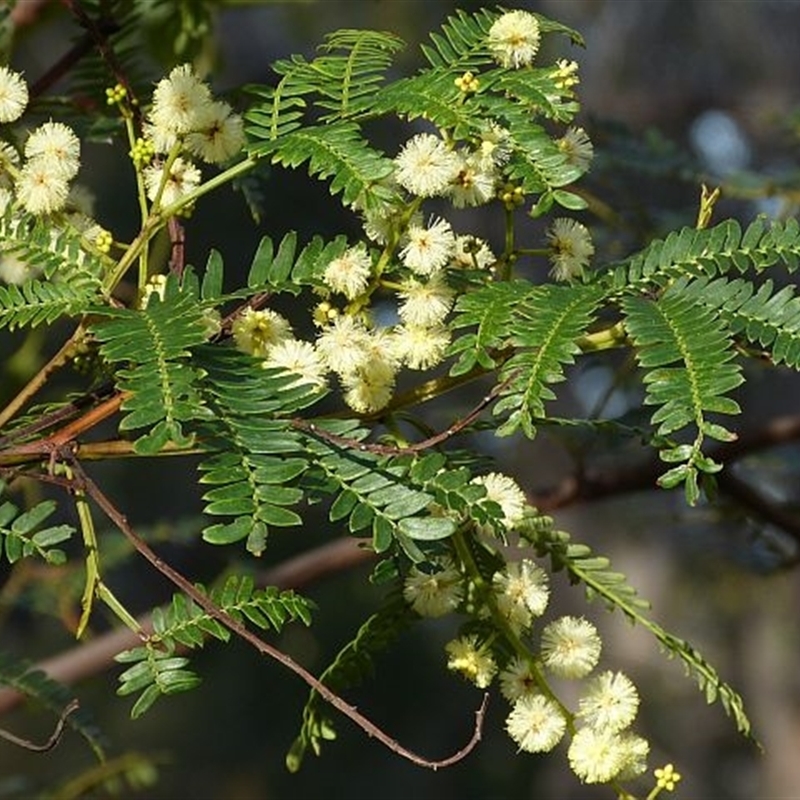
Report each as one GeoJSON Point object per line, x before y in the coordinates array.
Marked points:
{"type": "Point", "coordinates": [84, 483]}
{"type": "Point", "coordinates": [97, 654]}
{"type": "Point", "coordinates": [416, 447]}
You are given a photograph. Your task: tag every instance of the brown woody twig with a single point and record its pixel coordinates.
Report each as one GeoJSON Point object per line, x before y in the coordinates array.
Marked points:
{"type": "Point", "coordinates": [54, 739]}
{"type": "Point", "coordinates": [84, 483]}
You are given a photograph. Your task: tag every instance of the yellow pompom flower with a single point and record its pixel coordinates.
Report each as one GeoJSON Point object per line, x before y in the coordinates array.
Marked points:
{"type": "Point", "coordinates": [256, 332]}
{"type": "Point", "coordinates": [514, 39]}
{"type": "Point", "coordinates": [13, 95]}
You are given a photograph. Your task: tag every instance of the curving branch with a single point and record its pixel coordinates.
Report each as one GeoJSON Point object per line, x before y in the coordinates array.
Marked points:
{"type": "Point", "coordinates": [90, 658]}
{"type": "Point", "coordinates": [55, 736]}
{"type": "Point", "coordinates": [83, 483]}
{"type": "Point", "coordinates": [96, 655]}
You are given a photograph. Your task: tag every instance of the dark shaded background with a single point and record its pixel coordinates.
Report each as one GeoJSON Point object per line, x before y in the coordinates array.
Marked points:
{"type": "Point", "coordinates": [718, 78]}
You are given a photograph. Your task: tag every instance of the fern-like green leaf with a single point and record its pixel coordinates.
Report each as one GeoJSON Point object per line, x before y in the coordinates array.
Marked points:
{"type": "Point", "coordinates": [546, 325]}
{"type": "Point", "coordinates": [343, 80]}
{"type": "Point", "coordinates": [763, 316]}
{"type": "Point", "coordinates": [349, 73]}
{"type": "Point", "coordinates": [184, 622]}
{"type": "Point", "coordinates": [710, 252]}
{"type": "Point", "coordinates": [450, 481]}
{"type": "Point", "coordinates": [688, 353]}
{"type": "Point", "coordinates": [584, 567]}
{"type": "Point", "coordinates": [489, 310]}
{"type": "Point", "coordinates": [154, 345]}
{"type": "Point", "coordinates": [62, 276]}
{"type": "Point", "coordinates": [353, 665]}
{"type": "Point", "coordinates": [462, 44]}
{"type": "Point", "coordinates": [533, 92]}
{"type": "Point", "coordinates": [431, 95]}
{"type": "Point", "coordinates": [374, 492]}
{"type": "Point", "coordinates": [268, 269]}
{"type": "Point", "coordinates": [157, 671]}
{"type": "Point", "coordinates": [35, 302]}
{"type": "Point", "coordinates": [336, 150]}
{"type": "Point", "coordinates": [261, 454]}
{"type": "Point", "coordinates": [536, 162]}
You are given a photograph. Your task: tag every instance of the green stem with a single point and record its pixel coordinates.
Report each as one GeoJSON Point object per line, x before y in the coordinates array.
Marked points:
{"type": "Point", "coordinates": [92, 558]}
{"type": "Point", "coordinates": [166, 168]}
{"type": "Point", "coordinates": [486, 592]}
{"type": "Point", "coordinates": [158, 218]}
{"type": "Point", "coordinates": [141, 193]}
{"type": "Point", "coordinates": [507, 259]}
{"type": "Point", "coordinates": [94, 586]}
{"type": "Point", "coordinates": [122, 613]}
{"type": "Point", "coordinates": [218, 180]}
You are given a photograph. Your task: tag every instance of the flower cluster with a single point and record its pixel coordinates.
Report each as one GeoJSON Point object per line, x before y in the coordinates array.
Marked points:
{"type": "Point", "coordinates": [428, 167]}
{"type": "Point", "coordinates": [422, 262]}
{"type": "Point", "coordinates": [503, 608]}
{"type": "Point", "coordinates": [185, 118]}
{"type": "Point", "coordinates": [602, 748]}
{"type": "Point", "coordinates": [366, 357]}
{"type": "Point", "coordinates": [50, 158]}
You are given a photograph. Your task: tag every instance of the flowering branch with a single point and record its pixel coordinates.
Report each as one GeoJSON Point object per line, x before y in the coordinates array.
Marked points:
{"type": "Point", "coordinates": [82, 482]}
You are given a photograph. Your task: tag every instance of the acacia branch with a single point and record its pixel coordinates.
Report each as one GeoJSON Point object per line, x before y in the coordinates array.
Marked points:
{"type": "Point", "coordinates": [415, 447]}
{"type": "Point", "coordinates": [84, 483]}
{"type": "Point", "coordinates": [93, 656]}
{"type": "Point", "coordinates": [98, 654]}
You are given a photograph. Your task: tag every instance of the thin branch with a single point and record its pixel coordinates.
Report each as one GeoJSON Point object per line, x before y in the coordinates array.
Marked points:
{"type": "Point", "coordinates": [54, 739]}
{"type": "Point", "coordinates": [86, 484]}
{"type": "Point", "coordinates": [92, 657]}
{"type": "Point", "coordinates": [99, 32]}
{"type": "Point", "coordinates": [177, 237]}
{"type": "Point", "coordinates": [62, 414]}
{"type": "Point", "coordinates": [416, 447]}
{"type": "Point", "coordinates": [41, 377]}
{"type": "Point", "coordinates": [95, 655]}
